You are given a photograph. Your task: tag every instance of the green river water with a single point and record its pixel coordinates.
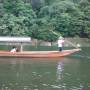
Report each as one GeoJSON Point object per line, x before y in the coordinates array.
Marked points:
{"type": "Point", "coordinates": [68, 73]}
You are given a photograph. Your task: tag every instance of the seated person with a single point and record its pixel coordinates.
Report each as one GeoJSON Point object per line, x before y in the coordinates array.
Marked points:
{"type": "Point", "coordinates": [14, 49]}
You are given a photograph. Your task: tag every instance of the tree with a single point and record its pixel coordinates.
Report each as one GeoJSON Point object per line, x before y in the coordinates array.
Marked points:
{"type": "Point", "coordinates": [45, 19]}
{"type": "Point", "coordinates": [16, 18]}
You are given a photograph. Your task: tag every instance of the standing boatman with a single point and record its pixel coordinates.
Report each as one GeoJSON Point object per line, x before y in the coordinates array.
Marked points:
{"type": "Point", "coordinates": [60, 43]}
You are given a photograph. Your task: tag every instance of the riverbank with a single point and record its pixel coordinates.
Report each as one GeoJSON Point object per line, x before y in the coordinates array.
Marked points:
{"type": "Point", "coordinates": [43, 45]}
{"type": "Point", "coordinates": [69, 42]}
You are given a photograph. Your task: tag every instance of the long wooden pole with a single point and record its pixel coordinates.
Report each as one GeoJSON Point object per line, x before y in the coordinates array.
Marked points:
{"type": "Point", "coordinates": [72, 44]}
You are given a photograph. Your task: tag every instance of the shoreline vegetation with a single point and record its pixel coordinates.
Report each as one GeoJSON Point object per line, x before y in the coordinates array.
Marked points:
{"type": "Point", "coordinates": [45, 19]}
{"type": "Point", "coordinates": [40, 44]}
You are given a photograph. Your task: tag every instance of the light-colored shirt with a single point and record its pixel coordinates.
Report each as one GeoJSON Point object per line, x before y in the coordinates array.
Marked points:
{"type": "Point", "coordinates": [60, 42]}
{"type": "Point", "coordinates": [13, 50]}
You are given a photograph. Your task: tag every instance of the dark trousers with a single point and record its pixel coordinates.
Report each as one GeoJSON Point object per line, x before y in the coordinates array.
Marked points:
{"type": "Point", "coordinates": [60, 48]}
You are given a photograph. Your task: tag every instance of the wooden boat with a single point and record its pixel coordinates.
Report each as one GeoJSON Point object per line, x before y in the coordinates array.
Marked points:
{"type": "Point", "coordinates": [38, 54]}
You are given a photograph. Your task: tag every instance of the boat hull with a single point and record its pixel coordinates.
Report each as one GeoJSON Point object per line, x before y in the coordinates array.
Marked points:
{"type": "Point", "coordinates": [38, 54]}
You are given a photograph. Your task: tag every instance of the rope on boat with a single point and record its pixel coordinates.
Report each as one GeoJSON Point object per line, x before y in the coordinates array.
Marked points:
{"type": "Point", "coordinates": [76, 46]}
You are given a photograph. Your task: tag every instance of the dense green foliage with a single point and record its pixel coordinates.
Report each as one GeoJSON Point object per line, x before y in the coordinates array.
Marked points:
{"type": "Point", "coordinates": [45, 19]}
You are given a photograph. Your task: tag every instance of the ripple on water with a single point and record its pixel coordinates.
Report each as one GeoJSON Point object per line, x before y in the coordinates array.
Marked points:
{"type": "Point", "coordinates": [36, 89]}
{"type": "Point", "coordinates": [25, 87]}
{"type": "Point", "coordinates": [55, 86]}
{"type": "Point", "coordinates": [45, 84]}
{"type": "Point", "coordinates": [76, 88]}
{"type": "Point", "coordinates": [34, 73]}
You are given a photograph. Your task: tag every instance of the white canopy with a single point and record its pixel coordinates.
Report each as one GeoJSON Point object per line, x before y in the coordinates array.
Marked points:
{"type": "Point", "coordinates": [15, 39]}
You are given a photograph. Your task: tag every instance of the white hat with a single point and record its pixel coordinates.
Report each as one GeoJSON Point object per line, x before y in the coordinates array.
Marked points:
{"type": "Point", "coordinates": [60, 37]}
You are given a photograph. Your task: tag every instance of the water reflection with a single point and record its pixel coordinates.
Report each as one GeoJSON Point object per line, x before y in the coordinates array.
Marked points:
{"type": "Point", "coordinates": [30, 74]}
{"type": "Point", "coordinates": [59, 70]}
